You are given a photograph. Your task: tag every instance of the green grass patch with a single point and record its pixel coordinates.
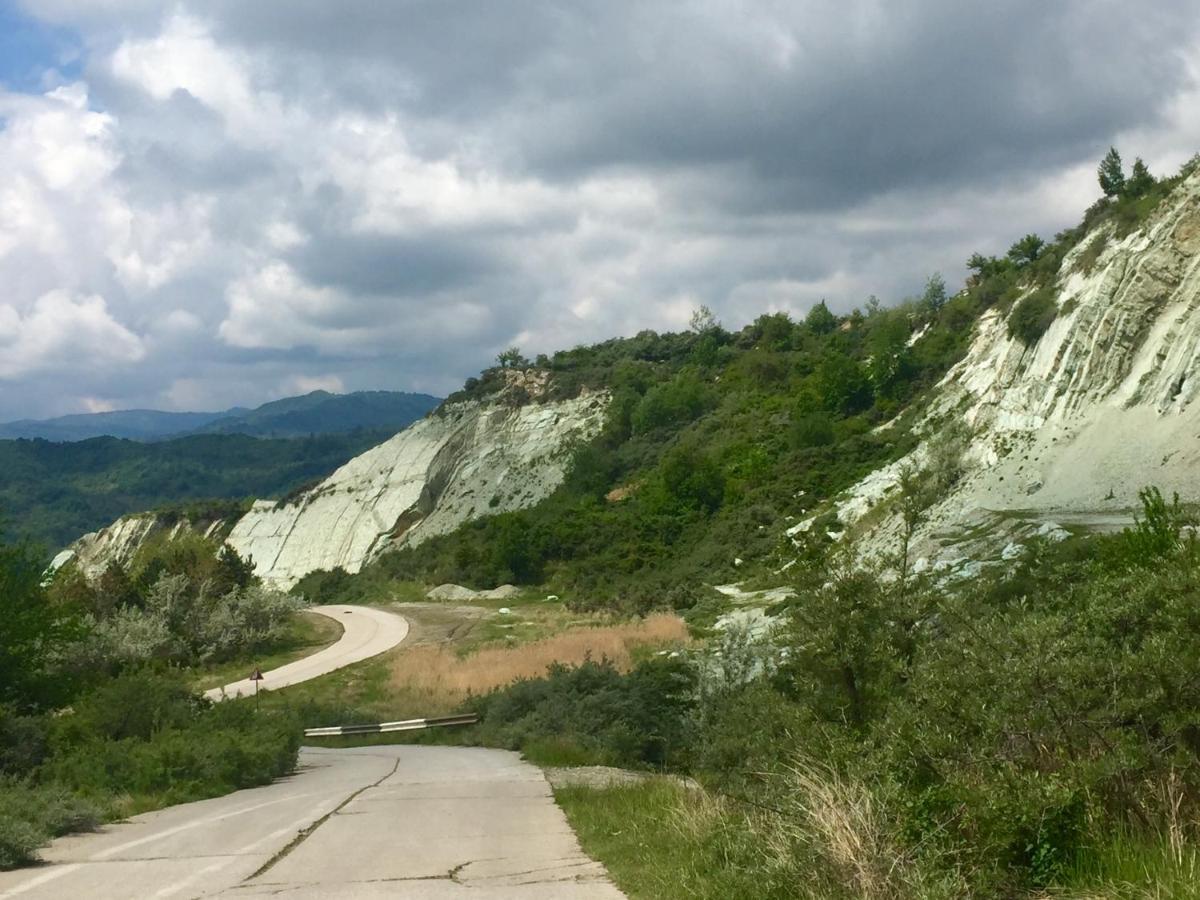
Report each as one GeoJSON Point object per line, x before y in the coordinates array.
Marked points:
{"type": "Point", "coordinates": [1135, 867]}
{"type": "Point", "coordinates": [658, 840]}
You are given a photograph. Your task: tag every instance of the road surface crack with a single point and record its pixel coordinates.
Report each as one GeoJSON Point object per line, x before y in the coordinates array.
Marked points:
{"type": "Point", "coordinates": [303, 835]}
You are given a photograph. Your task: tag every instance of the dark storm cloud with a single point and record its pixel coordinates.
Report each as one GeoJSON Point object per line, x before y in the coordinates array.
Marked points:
{"type": "Point", "coordinates": [379, 264]}
{"type": "Point", "coordinates": [290, 192]}
{"type": "Point", "coordinates": [816, 103]}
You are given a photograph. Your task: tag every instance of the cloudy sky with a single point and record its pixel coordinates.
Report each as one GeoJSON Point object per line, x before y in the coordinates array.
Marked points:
{"type": "Point", "coordinates": [222, 202]}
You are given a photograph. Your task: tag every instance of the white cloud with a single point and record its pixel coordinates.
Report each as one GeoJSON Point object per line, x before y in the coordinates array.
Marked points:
{"type": "Point", "coordinates": [64, 332]}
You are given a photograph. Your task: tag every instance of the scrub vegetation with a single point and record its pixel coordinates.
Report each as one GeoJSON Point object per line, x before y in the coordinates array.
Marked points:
{"type": "Point", "coordinates": [1031, 732]}
{"type": "Point", "coordinates": [97, 718]}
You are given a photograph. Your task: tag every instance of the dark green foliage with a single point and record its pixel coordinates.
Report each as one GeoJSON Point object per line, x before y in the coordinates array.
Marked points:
{"type": "Point", "coordinates": [33, 633]}
{"type": "Point", "coordinates": [1005, 726]}
{"type": "Point", "coordinates": [1032, 315]}
{"type": "Point", "coordinates": [676, 402]}
{"type": "Point", "coordinates": [820, 320]}
{"type": "Point", "coordinates": [934, 296]}
{"type": "Point", "coordinates": [173, 746]}
{"type": "Point", "coordinates": [57, 492]}
{"type": "Point", "coordinates": [843, 384]}
{"type": "Point", "coordinates": [1141, 182]}
{"type": "Point", "coordinates": [1111, 174]}
{"type": "Point", "coordinates": [1027, 250]}
{"type": "Point", "coordinates": [812, 429]}
{"type": "Point", "coordinates": [511, 359]}
{"type": "Point", "coordinates": [630, 720]}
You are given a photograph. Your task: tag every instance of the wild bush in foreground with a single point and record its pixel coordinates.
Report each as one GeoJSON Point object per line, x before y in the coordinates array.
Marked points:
{"type": "Point", "coordinates": [32, 814]}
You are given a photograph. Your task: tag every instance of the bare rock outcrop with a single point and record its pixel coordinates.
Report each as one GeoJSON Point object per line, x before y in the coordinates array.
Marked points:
{"type": "Point", "coordinates": [1072, 427]}
{"type": "Point", "coordinates": [471, 459]}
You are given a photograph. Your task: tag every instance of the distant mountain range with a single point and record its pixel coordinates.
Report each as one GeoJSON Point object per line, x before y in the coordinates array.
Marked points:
{"type": "Point", "coordinates": [317, 413]}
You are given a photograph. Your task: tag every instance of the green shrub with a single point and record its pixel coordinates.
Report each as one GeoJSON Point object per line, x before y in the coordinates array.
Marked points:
{"type": "Point", "coordinates": [1032, 315]}
{"type": "Point", "coordinates": [19, 841]}
{"type": "Point", "coordinates": [636, 719]}
{"type": "Point", "coordinates": [30, 815]}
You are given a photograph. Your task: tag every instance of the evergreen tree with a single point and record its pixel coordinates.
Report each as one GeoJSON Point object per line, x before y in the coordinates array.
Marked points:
{"type": "Point", "coordinates": [1140, 180]}
{"type": "Point", "coordinates": [1111, 174]}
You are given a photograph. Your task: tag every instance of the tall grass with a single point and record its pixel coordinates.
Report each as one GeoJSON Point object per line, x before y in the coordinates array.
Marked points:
{"type": "Point", "coordinates": [442, 680]}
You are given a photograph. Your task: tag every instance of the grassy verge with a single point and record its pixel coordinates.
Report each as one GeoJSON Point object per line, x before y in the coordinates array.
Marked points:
{"type": "Point", "coordinates": [659, 839]}
{"type": "Point", "coordinates": [306, 634]}
{"type": "Point", "coordinates": [1130, 867]}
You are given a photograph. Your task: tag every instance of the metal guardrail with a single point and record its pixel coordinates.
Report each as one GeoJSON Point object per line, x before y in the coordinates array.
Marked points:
{"type": "Point", "coordinates": [407, 725]}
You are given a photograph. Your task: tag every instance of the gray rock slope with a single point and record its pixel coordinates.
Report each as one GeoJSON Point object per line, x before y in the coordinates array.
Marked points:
{"type": "Point", "coordinates": [467, 460]}
{"type": "Point", "coordinates": [1072, 427]}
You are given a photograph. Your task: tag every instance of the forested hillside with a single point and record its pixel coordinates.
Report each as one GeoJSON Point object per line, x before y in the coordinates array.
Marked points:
{"type": "Point", "coordinates": [55, 492]}
{"type": "Point", "coordinates": [318, 412]}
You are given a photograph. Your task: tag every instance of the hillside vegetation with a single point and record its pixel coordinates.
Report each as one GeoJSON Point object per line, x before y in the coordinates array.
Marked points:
{"type": "Point", "coordinates": [55, 492]}
{"type": "Point", "coordinates": [1022, 730]}
{"type": "Point", "coordinates": [318, 412]}
{"type": "Point", "coordinates": [716, 441]}
{"type": "Point", "coordinates": [97, 717]}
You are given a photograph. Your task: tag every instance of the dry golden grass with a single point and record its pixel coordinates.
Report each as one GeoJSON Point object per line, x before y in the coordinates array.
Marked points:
{"type": "Point", "coordinates": [443, 678]}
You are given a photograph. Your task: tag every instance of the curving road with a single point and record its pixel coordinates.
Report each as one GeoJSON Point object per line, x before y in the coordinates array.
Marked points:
{"type": "Point", "coordinates": [366, 632]}
{"type": "Point", "coordinates": [426, 823]}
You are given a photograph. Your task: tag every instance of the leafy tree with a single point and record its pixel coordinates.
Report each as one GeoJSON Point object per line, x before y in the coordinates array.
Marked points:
{"type": "Point", "coordinates": [820, 320]}
{"type": "Point", "coordinates": [890, 365]}
{"type": "Point", "coordinates": [1111, 173]}
{"type": "Point", "coordinates": [512, 359]}
{"type": "Point", "coordinates": [1140, 180]}
{"type": "Point", "coordinates": [843, 384]}
{"type": "Point", "coordinates": [233, 572]}
{"type": "Point", "coordinates": [693, 479]}
{"type": "Point", "coordinates": [33, 632]}
{"type": "Point", "coordinates": [1026, 250]}
{"type": "Point", "coordinates": [934, 296]}
{"type": "Point", "coordinates": [703, 321]}
{"type": "Point", "coordinates": [774, 331]}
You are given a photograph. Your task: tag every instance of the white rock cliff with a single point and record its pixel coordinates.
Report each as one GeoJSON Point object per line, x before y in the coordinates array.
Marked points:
{"type": "Point", "coordinates": [1102, 405]}
{"type": "Point", "coordinates": [467, 460]}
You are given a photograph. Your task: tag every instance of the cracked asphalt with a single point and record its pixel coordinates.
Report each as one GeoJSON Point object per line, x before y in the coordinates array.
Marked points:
{"type": "Point", "coordinates": [367, 822]}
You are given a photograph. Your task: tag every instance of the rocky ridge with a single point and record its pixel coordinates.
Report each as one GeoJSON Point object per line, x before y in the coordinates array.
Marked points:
{"type": "Point", "coordinates": [467, 460]}
{"type": "Point", "coordinates": [1068, 430]}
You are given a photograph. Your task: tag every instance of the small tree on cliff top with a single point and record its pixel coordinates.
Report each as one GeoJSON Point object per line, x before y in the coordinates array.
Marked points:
{"type": "Point", "coordinates": [1111, 173]}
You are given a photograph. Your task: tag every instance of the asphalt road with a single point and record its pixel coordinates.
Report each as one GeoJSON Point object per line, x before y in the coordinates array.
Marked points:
{"type": "Point", "coordinates": [367, 632]}
{"type": "Point", "coordinates": [414, 822]}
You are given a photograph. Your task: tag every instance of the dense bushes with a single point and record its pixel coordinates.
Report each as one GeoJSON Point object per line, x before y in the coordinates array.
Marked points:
{"type": "Point", "coordinates": [134, 742]}
{"type": "Point", "coordinates": [633, 719]}
{"type": "Point", "coordinates": [997, 730]}
{"type": "Point", "coordinates": [1031, 316]}
{"type": "Point", "coordinates": [86, 731]}
{"type": "Point", "coordinates": [180, 601]}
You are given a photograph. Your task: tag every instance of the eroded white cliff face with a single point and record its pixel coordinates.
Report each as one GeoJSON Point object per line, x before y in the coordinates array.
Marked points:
{"type": "Point", "coordinates": [120, 541]}
{"type": "Point", "coordinates": [470, 460]}
{"type": "Point", "coordinates": [1102, 405]}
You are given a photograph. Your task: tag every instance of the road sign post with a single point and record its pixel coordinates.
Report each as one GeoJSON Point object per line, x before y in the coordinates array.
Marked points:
{"type": "Point", "coordinates": [256, 676]}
